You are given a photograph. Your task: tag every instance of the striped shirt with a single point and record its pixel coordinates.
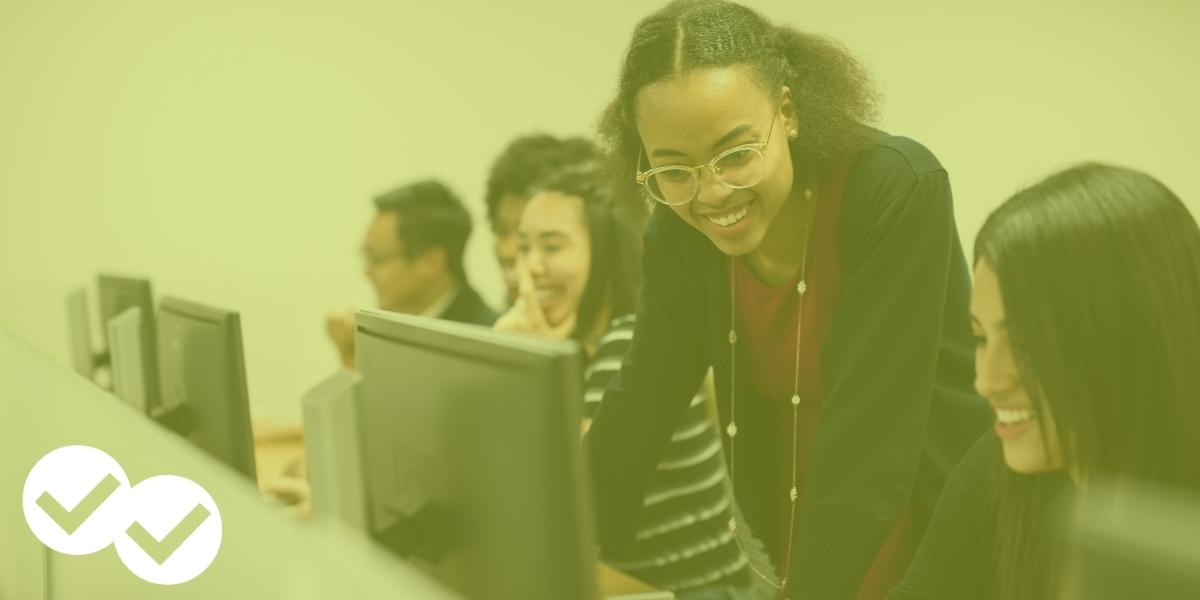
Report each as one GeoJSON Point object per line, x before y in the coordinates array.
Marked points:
{"type": "Point", "coordinates": [683, 539]}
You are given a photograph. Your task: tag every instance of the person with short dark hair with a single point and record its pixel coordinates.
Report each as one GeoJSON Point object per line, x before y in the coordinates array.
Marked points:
{"type": "Point", "coordinates": [413, 257]}
{"type": "Point", "coordinates": [523, 162]}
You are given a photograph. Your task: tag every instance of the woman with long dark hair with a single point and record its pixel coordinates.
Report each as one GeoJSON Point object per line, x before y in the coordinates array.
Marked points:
{"type": "Point", "coordinates": [813, 263]}
{"type": "Point", "coordinates": [578, 278]}
{"type": "Point", "coordinates": [1086, 309]}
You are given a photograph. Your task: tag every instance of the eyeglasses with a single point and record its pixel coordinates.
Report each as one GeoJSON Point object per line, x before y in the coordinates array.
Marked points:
{"type": "Point", "coordinates": [736, 168]}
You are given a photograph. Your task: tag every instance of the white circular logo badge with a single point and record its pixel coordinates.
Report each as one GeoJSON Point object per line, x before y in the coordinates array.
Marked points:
{"type": "Point", "coordinates": [175, 533]}
{"type": "Point", "coordinates": [166, 529]}
{"type": "Point", "coordinates": [76, 500]}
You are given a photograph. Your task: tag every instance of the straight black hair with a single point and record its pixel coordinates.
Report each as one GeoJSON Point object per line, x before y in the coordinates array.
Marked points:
{"type": "Point", "coordinates": [615, 231]}
{"type": "Point", "coordinates": [1099, 273]}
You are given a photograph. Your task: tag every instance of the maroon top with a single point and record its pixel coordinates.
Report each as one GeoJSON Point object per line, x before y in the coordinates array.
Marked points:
{"type": "Point", "coordinates": [766, 320]}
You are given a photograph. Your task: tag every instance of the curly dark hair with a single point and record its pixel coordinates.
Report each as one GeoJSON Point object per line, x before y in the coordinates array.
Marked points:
{"type": "Point", "coordinates": [529, 159]}
{"type": "Point", "coordinates": [831, 91]}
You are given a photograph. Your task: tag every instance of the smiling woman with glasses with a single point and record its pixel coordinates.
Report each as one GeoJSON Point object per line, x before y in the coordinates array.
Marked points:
{"type": "Point", "coordinates": [736, 168]}
{"type": "Point", "coordinates": [813, 263]}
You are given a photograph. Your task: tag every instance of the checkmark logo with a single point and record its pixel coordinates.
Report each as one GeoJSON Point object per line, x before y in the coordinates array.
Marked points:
{"type": "Point", "coordinates": [175, 531]}
{"type": "Point", "coordinates": [161, 550]}
{"type": "Point", "coordinates": [166, 529]}
{"type": "Point", "coordinates": [70, 520]}
{"type": "Point", "coordinates": [76, 500]}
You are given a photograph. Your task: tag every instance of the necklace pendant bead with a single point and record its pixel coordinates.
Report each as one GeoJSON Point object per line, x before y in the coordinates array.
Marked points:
{"type": "Point", "coordinates": [801, 287]}
{"type": "Point", "coordinates": [731, 430]}
{"type": "Point", "coordinates": [808, 194]}
{"type": "Point", "coordinates": [795, 399]}
{"type": "Point", "coordinates": [794, 494]}
{"type": "Point", "coordinates": [733, 525]}
{"type": "Point", "coordinates": [732, 337]}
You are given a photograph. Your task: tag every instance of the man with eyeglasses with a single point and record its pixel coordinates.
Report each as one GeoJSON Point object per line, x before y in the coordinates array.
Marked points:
{"type": "Point", "coordinates": [413, 257]}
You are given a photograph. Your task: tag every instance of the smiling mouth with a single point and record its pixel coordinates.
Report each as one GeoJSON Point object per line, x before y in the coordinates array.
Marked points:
{"type": "Point", "coordinates": [1013, 417]}
{"type": "Point", "coordinates": [730, 217]}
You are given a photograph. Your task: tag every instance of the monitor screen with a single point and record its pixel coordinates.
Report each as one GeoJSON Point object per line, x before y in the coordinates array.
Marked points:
{"type": "Point", "coordinates": [117, 294]}
{"type": "Point", "coordinates": [471, 459]}
{"type": "Point", "coordinates": [204, 393]}
{"type": "Point", "coordinates": [79, 330]}
{"type": "Point", "coordinates": [128, 358]}
{"type": "Point", "coordinates": [331, 449]}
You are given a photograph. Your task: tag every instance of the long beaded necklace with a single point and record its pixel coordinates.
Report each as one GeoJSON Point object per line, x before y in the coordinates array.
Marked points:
{"type": "Point", "coordinates": [732, 430]}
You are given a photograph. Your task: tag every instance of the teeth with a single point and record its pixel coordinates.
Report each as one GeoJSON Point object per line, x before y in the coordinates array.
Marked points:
{"type": "Point", "coordinates": [729, 219]}
{"type": "Point", "coordinates": [1010, 417]}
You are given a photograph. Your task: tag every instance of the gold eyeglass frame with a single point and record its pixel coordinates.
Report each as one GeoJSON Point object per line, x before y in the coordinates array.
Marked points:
{"type": "Point", "coordinates": [643, 177]}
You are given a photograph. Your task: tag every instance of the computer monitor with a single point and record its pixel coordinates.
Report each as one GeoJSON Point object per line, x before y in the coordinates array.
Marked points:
{"type": "Point", "coordinates": [118, 293]}
{"type": "Point", "coordinates": [331, 449]}
{"type": "Point", "coordinates": [128, 358]}
{"type": "Point", "coordinates": [471, 459]}
{"type": "Point", "coordinates": [203, 372]}
{"type": "Point", "coordinates": [1136, 541]}
{"type": "Point", "coordinates": [79, 331]}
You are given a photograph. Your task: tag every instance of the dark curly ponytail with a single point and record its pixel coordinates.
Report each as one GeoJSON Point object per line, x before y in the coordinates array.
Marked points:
{"type": "Point", "coordinates": [831, 91]}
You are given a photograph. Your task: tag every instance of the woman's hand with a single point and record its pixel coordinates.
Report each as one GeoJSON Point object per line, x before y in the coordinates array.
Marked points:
{"type": "Point", "coordinates": [526, 315]}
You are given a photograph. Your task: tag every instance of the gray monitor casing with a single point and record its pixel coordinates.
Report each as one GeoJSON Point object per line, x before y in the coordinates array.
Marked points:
{"type": "Point", "coordinates": [485, 428]}
{"type": "Point", "coordinates": [204, 392]}
{"type": "Point", "coordinates": [117, 294]}
{"type": "Point", "coordinates": [128, 358]}
{"type": "Point", "coordinates": [79, 331]}
{"type": "Point", "coordinates": [331, 448]}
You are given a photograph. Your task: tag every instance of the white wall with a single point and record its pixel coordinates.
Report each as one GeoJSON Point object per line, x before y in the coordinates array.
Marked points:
{"type": "Point", "coordinates": [229, 150]}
